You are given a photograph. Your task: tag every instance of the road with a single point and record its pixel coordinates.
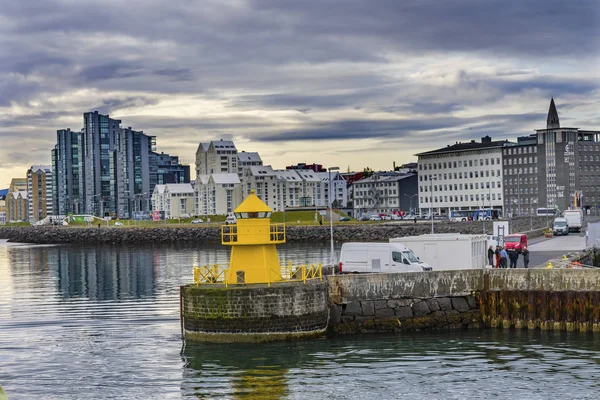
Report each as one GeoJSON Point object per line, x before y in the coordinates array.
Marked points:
{"type": "Point", "coordinates": [544, 249]}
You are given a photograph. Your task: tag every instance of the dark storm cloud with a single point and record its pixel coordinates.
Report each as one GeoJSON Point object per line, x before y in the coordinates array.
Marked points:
{"type": "Point", "coordinates": [382, 128]}
{"type": "Point", "coordinates": [368, 69]}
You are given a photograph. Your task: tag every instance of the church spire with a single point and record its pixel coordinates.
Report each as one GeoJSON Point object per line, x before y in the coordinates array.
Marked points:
{"type": "Point", "coordinates": [552, 120]}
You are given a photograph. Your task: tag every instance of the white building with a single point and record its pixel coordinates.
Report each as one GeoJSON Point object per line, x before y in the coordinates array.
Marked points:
{"type": "Point", "coordinates": [247, 159]}
{"type": "Point", "coordinates": [312, 190]}
{"type": "Point", "coordinates": [291, 186]}
{"type": "Point", "coordinates": [385, 193]}
{"type": "Point", "coordinates": [463, 176]}
{"type": "Point", "coordinates": [222, 194]}
{"type": "Point", "coordinates": [176, 200]}
{"type": "Point", "coordinates": [339, 185]}
{"type": "Point", "coordinates": [266, 184]}
{"type": "Point", "coordinates": [216, 157]}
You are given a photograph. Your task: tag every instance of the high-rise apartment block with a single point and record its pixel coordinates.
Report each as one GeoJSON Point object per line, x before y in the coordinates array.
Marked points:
{"type": "Point", "coordinates": [108, 170]}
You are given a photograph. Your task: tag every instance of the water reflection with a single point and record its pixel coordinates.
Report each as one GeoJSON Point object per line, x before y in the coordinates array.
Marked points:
{"type": "Point", "coordinates": [241, 370]}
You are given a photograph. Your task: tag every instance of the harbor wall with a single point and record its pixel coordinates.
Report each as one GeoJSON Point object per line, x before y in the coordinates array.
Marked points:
{"type": "Point", "coordinates": [557, 299]}
{"type": "Point", "coordinates": [254, 313]}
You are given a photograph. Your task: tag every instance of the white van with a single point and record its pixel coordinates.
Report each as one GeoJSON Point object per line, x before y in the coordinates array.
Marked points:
{"type": "Point", "coordinates": [360, 257]}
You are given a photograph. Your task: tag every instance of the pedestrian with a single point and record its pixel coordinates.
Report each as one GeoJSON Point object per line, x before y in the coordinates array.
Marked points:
{"type": "Point", "coordinates": [497, 252]}
{"type": "Point", "coordinates": [525, 257]}
{"type": "Point", "coordinates": [415, 220]}
{"type": "Point", "coordinates": [514, 257]}
{"type": "Point", "coordinates": [503, 257]}
{"type": "Point", "coordinates": [491, 256]}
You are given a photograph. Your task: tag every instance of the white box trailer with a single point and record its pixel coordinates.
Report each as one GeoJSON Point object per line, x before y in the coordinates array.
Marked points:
{"type": "Point", "coordinates": [448, 251]}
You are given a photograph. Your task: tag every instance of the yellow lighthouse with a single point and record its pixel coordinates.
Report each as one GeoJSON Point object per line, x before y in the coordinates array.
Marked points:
{"type": "Point", "coordinates": [253, 241]}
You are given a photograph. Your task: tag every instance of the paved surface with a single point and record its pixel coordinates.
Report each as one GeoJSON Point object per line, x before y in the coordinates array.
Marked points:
{"type": "Point", "coordinates": [571, 242]}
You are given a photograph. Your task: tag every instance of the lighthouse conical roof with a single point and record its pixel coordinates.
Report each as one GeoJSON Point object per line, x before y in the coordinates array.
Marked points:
{"type": "Point", "coordinates": [253, 204]}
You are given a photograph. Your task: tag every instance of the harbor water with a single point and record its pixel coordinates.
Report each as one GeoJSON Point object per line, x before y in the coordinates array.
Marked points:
{"type": "Point", "coordinates": [103, 323]}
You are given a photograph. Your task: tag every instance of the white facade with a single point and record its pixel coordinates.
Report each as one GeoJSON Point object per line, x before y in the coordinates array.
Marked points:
{"type": "Point", "coordinates": [266, 184]}
{"type": "Point", "coordinates": [221, 194]}
{"type": "Point", "coordinates": [292, 187]}
{"type": "Point", "coordinates": [247, 159]}
{"type": "Point", "coordinates": [461, 179]}
{"type": "Point", "coordinates": [312, 191]}
{"type": "Point", "coordinates": [175, 199]}
{"type": "Point", "coordinates": [339, 185]}
{"type": "Point", "coordinates": [383, 193]}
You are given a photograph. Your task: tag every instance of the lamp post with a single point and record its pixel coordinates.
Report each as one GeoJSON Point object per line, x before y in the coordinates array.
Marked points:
{"type": "Point", "coordinates": [410, 201]}
{"type": "Point", "coordinates": [332, 255]}
{"type": "Point", "coordinates": [431, 179]}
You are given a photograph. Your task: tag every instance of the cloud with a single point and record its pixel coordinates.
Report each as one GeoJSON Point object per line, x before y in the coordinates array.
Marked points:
{"type": "Point", "coordinates": [306, 71]}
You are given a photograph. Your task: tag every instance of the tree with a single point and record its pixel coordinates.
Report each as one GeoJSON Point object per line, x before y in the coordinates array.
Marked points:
{"type": "Point", "coordinates": [367, 172]}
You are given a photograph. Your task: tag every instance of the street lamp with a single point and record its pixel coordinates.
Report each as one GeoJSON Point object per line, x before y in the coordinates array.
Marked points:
{"type": "Point", "coordinates": [332, 255]}
{"type": "Point", "coordinates": [410, 201]}
{"type": "Point", "coordinates": [431, 179]}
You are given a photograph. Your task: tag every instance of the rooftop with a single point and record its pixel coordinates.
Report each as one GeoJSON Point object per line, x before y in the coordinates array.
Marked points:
{"type": "Point", "coordinates": [486, 143]}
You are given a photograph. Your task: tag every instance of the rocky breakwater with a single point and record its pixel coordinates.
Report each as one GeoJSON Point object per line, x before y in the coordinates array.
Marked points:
{"type": "Point", "coordinates": [342, 233]}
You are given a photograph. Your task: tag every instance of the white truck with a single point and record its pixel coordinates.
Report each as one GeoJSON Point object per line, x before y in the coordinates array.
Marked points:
{"type": "Point", "coordinates": [361, 257]}
{"type": "Point", "coordinates": [574, 219]}
{"type": "Point", "coordinates": [449, 251]}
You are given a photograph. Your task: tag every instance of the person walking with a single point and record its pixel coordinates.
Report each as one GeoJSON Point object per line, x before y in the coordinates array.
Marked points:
{"type": "Point", "coordinates": [525, 257]}
{"type": "Point", "coordinates": [514, 257]}
{"type": "Point", "coordinates": [503, 257]}
{"type": "Point", "coordinates": [491, 256]}
{"type": "Point", "coordinates": [497, 256]}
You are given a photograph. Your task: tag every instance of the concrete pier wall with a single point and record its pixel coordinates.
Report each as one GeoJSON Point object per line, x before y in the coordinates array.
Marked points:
{"type": "Point", "coordinates": [567, 299]}
{"type": "Point", "coordinates": [254, 313]}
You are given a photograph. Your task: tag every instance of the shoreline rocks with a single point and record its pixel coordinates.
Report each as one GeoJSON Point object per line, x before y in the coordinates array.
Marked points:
{"type": "Point", "coordinates": [342, 233]}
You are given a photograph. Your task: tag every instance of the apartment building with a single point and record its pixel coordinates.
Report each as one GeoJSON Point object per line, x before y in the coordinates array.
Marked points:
{"type": "Point", "coordinates": [218, 194]}
{"type": "Point", "coordinates": [247, 159]}
{"type": "Point", "coordinates": [39, 192]}
{"type": "Point", "coordinates": [266, 184]}
{"type": "Point", "coordinates": [384, 193]}
{"type": "Point", "coordinates": [16, 200]}
{"type": "Point", "coordinates": [339, 188]}
{"type": "Point", "coordinates": [108, 170]}
{"type": "Point", "coordinates": [176, 200]}
{"type": "Point", "coordinates": [462, 176]}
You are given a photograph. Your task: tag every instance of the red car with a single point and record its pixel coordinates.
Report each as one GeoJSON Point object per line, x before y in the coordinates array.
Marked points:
{"type": "Point", "coordinates": [515, 242]}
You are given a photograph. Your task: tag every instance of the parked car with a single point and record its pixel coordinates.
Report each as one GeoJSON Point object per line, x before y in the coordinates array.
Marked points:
{"type": "Point", "coordinates": [197, 221]}
{"type": "Point", "coordinates": [345, 219]}
{"type": "Point", "coordinates": [560, 226]}
{"type": "Point", "coordinates": [118, 223]}
{"type": "Point", "coordinates": [364, 218]}
{"type": "Point", "coordinates": [375, 218]}
{"type": "Point", "coordinates": [515, 242]}
{"type": "Point", "coordinates": [386, 217]}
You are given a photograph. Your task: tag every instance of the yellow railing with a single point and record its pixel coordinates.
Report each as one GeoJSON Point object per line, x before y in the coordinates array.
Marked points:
{"type": "Point", "coordinates": [210, 274]}
{"type": "Point", "coordinates": [217, 274]}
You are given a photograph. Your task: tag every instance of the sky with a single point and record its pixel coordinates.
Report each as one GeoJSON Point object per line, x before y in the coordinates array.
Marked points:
{"type": "Point", "coordinates": [345, 83]}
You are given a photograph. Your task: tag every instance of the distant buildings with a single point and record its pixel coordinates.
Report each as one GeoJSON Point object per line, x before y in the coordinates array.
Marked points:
{"type": "Point", "coordinates": [39, 192]}
{"type": "Point", "coordinates": [225, 176]}
{"type": "Point", "coordinates": [313, 167]}
{"type": "Point", "coordinates": [385, 193]}
{"type": "Point", "coordinates": [108, 170]}
{"type": "Point", "coordinates": [176, 200]}
{"type": "Point", "coordinates": [557, 167]}
{"type": "Point", "coordinates": [462, 176]}
{"type": "Point", "coordinates": [16, 201]}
